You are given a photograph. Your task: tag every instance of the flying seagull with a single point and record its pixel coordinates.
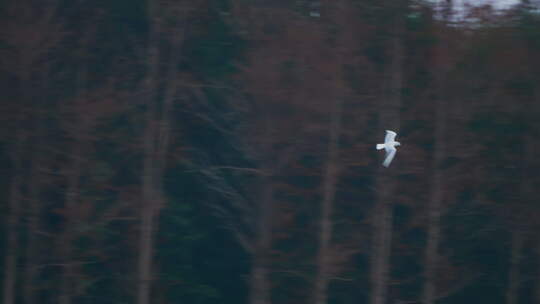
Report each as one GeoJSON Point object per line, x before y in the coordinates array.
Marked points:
{"type": "Point", "coordinates": [389, 146]}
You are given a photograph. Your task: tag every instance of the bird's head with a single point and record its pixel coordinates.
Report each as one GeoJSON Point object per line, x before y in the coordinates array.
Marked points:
{"type": "Point", "coordinates": [397, 143]}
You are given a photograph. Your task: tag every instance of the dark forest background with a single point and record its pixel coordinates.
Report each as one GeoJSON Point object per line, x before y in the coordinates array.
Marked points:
{"type": "Point", "coordinates": [223, 151]}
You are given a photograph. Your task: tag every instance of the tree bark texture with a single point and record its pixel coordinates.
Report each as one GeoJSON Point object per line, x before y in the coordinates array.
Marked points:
{"type": "Point", "coordinates": [71, 198]}
{"type": "Point", "coordinates": [435, 204]}
{"type": "Point", "coordinates": [385, 184]}
{"type": "Point", "coordinates": [155, 144]}
{"type": "Point", "coordinates": [12, 239]}
{"type": "Point", "coordinates": [329, 192]}
{"type": "Point", "coordinates": [260, 284]}
{"type": "Point", "coordinates": [34, 213]}
{"type": "Point", "coordinates": [149, 199]}
{"type": "Point", "coordinates": [512, 291]}
{"type": "Point", "coordinates": [434, 209]}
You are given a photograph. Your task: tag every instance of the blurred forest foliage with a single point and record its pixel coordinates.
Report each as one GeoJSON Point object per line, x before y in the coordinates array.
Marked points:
{"type": "Point", "coordinates": [223, 151]}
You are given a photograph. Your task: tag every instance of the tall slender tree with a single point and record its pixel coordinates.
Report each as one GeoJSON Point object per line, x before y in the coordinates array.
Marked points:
{"type": "Point", "coordinates": [150, 201]}
{"type": "Point", "coordinates": [12, 240]}
{"type": "Point", "coordinates": [156, 135]}
{"type": "Point", "coordinates": [389, 118]}
{"type": "Point", "coordinates": [31, 34]}
{"type": "Point", "coordinates": [72, 195]}
{"type": "Point", "coordinates": [435, 204]}
{"type": "Point", "coordinates": [337, 10]}
{"type": "Point", "coordinates": [329, 192]}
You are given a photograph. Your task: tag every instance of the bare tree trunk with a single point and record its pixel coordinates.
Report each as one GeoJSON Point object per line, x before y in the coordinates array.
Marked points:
{"type": "Point", "coordinates": [12, 241]}
{"type": "Point", "coordinates": [149, 199]}
{"type": "Point", "coordinates": [435, 203]}
{"type": "Point", "coordinates": [434, 209]}
{"type": "Point", "coordinates": [146, 238]}
{"type": "Point", "coordinates": [329, 192]}
{"type": "Point", "coordinates": [382, 242]}
{"type": "Point", "coordinates": [33, 202]}
{"type": "Point", "coordinates": [526, 190]}
{"type": "Point", "coordinates": [72, 196]}
{"type": "Point", "coordinates": [383, 212]}
{"type": "Point", "coordinates": [155, 144]}
{"type": "Point", "coordinates": [260, 285]}
{"type": "Point", "coordinates": [337, 10]}
{"type": "Point", "coordinates": [42, 23]}
{"type": "Point", "coordinates": [537, 291]}
{"type": "Point", "coordinates": [15, 199]}
{"type": "Point", "coordinates": [512, 291]}
{"type": "Point", "coordinates": [153, 199]}
{"type": "Point", "coordinates": [34, 208]}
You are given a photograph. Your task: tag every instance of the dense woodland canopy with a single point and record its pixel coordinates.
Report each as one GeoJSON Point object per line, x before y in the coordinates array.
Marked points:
{"type": "Point", "coordinates": [223, 151]}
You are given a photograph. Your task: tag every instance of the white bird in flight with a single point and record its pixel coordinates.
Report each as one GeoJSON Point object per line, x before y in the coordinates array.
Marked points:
{"type": "Point", "coordinates": [389, 146]}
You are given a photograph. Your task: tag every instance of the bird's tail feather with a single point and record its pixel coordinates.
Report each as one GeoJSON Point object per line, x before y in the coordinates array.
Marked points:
{"type": "Point", "coordinates": [380, 146]}
{"type": "Point", "coordinates": [389, 158]}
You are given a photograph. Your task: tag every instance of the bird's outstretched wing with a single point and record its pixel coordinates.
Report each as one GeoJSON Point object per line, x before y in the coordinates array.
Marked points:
{"type": "Point", "coordinates": [390, 153]}
{"type": "Point", "coordinates": [390, 136]}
